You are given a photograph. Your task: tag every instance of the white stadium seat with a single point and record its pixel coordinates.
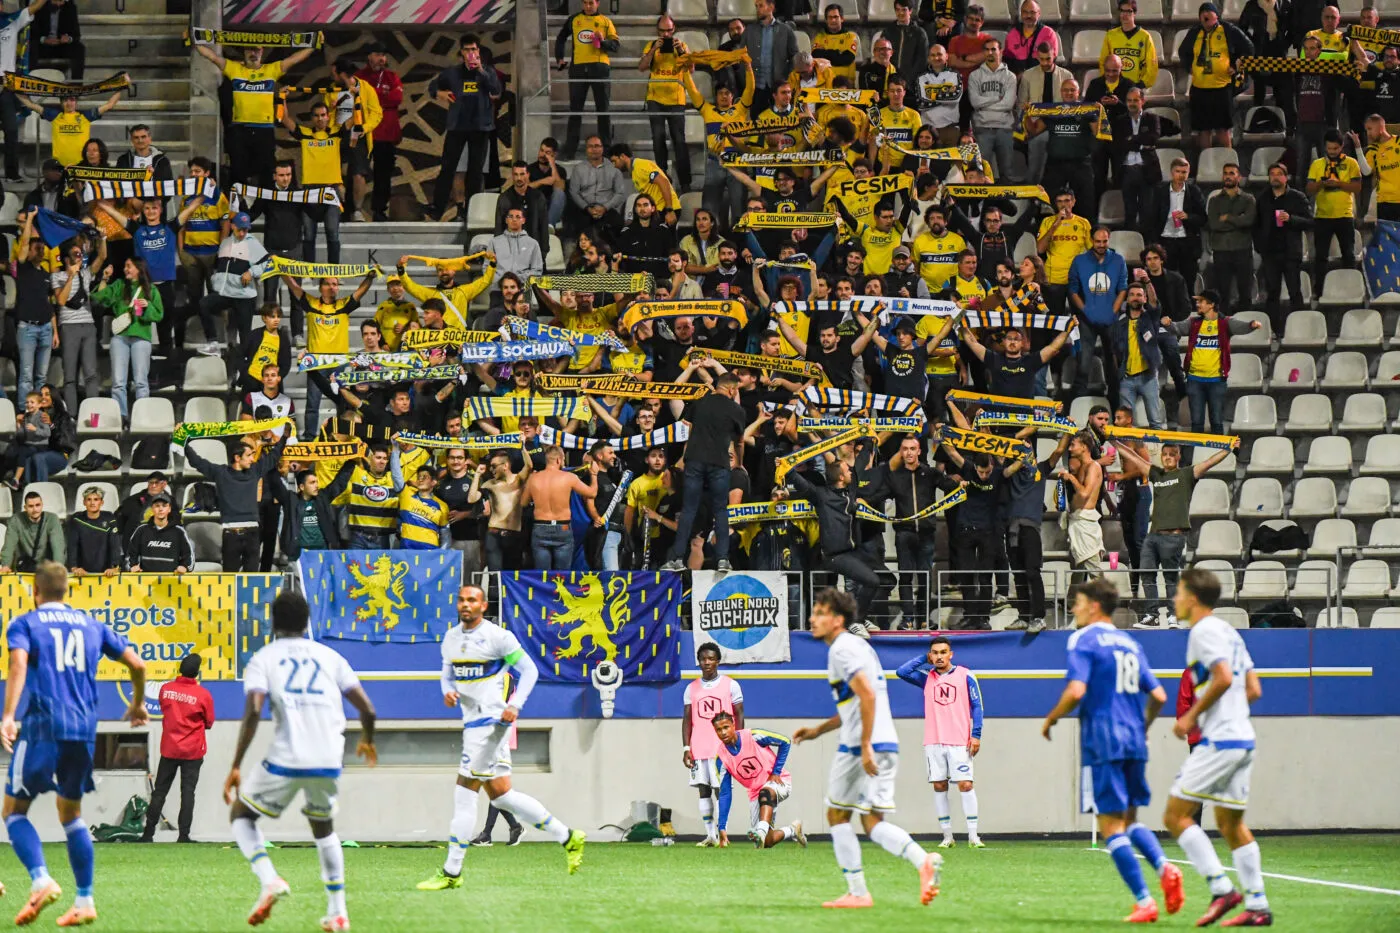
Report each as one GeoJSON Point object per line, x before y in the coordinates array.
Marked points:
{"type": "Point", "coordinates": [1260, 497]}
{"type": "Point", "coordinates": [204, 408]}
{"type": "Point", "coordinates": [1304, 330]}
{"type": "Point", "coordinates": [1246, 372]}
{"type": "Point", "coordinates": [1362, 328]}
{"type": "Point", "coordinates": [1386, 617]}
{"type": "Point", "coordinates": [1220, 538]}
{"type": "Point", "coordinates": [1212, 163]}
{"type": "Point", "coordinates": [152, 415]}
{"type": "Point", "coordinates": [1313, 497]}
{"type": "Point", "coordinates": [1270, 455]}
{"type": "Point", "coordinates": [1331, 535]}
{"type": "Point", "coordinates": [1263, 579]}
{"type": "Point", "coordinates": [55, 499]}
{"type": "Point", "coordinates": [1087, 44]}
{"type": "Point", "coordinates": [1310, 413]}
{"type": "Point", "coordinates": [1338, 617]}
{"type": "Point", "coordinates": [1255, 414]}
{"type": "Point", "coordinates": [1259, 338]}
{"type": "Point", "coordinates": [1293, 372]}
{"type": "Point", "coordinates": [1237, 617]}
{"type": "Point", "coordinates": [1315, 579]}
{"type": "Point", "coordinates": [1224, 572]}
{"type": "Point", "coordinates": [1363, 412]}
{"type": "Point", "coordinates": [1346, 370]}
{"type": "Point", "coordinates": [107, 413]}
{"type": "Point", "coordinates": [1343, 287]}
{"type": "Point", "coordinates": [1328, 455]}
{"type": "Point", "coordinates": [1210, 498]}
{"type": "Point", "coordinates": [1367, 579]}
{"type": "Point", "coordinates": [1092, 11]}
{"type": "Point", "coordinates": [1382, 456]}
{"type": "Point", "coordinates": [1385, 537]}
{"type": "Point", "coordinates": [1367, 497]}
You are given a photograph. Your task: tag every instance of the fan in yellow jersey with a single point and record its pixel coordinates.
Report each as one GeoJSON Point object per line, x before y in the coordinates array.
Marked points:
{"type": "Point", "coordinates": [837, 45]}
{"type": "Point", "coordinates": [1133, 44]}
{"type": "Point", "coordinates": [589, 38]}
{"type": "Point", "coordinates": [422, 515]}
{"type": "Point", "coordinates": [71, 127]}
{"type": "Point", "coordinates": [328, 316]}
{"type": "Point", "coordinates": [457, 298]}
{"type": "Point", "coordinates": [877, 240]}
{"type": "Point", "coordinates": [1212, 48]}
{"type": "Point", "coordinates": [1335, 180]}
{"type": "Point", "coordinates": [366, 488]}
{"type": "Point", "coordinates": [664, 60]}
{"type": "Point", "coordinates": [898, 124]}
{"type": "Point", "coordinates": [1383, 162]}
{"type": "Point", "coordinates": [857, 115]}
{"type": "Point", "coordinates": [809, 72]}
{"type": "Point", "coordinates": [320, 165]}
{"type": "Point", "coordinates": [936, 250]}
{"type": "Point", "coordinates": [725, 109]}
{"type": "Point", "coordinates": [395, 313]}
{"type": "Point", "coordinates": [252, 150]}
{"type": "Point", "coordinates": [648, 178]}
{"type": "Point", "coordinates": [1062, 237]}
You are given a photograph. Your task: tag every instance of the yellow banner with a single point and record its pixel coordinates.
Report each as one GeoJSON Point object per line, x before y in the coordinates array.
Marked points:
{"type": "Point", "coordinates": [836, 95]}
{"type": "Point", "coordinates": [1180, 438]}
{"type": "Point", "coordinates": [777, 220]}
{"type": "Point", "coordinates": [165, 617]}
{"type": "Point", "coordinates": [993, 444]}
{"type": "Point", "coordinates": [773, 364]}
{"type": "Point", "coordinates": [1010, 402]}
{"type": "Point", "coordinates": [424, 338]}
{"type": "Point", "coordinates": [997, 191]}
{"type": "Point", "coordinates": [318, 451]}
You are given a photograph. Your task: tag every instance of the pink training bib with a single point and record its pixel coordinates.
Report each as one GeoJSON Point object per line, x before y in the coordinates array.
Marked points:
{"type": "Point", "coordinates": [947, 708]}
{"type": "Point", "coordinates": [705, 700]}
{"type": "Point", "coordinates": [752, 766]}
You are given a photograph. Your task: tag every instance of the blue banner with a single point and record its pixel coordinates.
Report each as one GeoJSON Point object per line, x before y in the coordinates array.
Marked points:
{"type": "Point", "coordinates": [570, 622]}
{"type": "Point", "coordinates": [382, 596]}
{"type": "Point", "coordinates": [1382, 259]}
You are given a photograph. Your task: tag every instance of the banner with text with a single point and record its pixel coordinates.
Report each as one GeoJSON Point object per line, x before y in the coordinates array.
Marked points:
{"type": "Point", "coordinates": [744, 614]}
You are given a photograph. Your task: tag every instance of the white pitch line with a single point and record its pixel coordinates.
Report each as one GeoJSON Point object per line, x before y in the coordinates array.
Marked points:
{"type": "Point", "coordinates": [1330, 884]}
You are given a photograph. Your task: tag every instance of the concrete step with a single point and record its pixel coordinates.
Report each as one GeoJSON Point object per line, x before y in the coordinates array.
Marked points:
{"type": "Point", "coordinates": [164, 130]}
{"type": "Point", "coordinates": [141, 66]}
{"type": "Point", "coordinates": [162, 88]}
{"type": "Point", "coordinates": [147, 23]}
{"type": "Point", "coordinates": [136, 109]}
{"type": "Point", "coordinates": [124, 43]}
{"type": "Point", "coordinates": [122, 8]}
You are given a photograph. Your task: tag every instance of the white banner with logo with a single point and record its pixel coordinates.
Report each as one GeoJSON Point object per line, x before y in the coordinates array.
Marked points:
{"type": "Point", "coordinates": [744, 614]}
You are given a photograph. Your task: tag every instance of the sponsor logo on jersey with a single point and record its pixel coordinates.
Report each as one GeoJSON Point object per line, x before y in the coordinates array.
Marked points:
{"type": "Point", "coordinates": [376, 493]}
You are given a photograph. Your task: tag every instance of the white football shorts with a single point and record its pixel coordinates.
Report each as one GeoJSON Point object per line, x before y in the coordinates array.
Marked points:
{"type": "Point", "coordinates": [485, 751]}
{"type": "Point", "coordinates": [848, 787]}
{"type": "Point", "coordinates": [706, 773]}
{"type": "Point", "coordinates": [269, 792]}
{"type": "Point", "coordinates": [948, 763]}
{"type": "Point", "coordinates": [1215, 776]}
{"type": "Point", "coordinates": [780, 788]}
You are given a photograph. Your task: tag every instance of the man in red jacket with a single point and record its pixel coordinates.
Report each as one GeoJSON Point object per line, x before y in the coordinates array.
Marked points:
{"type": "Point", "coordinates": [187, 712]}
{"type": "Point", "coordinates": [388, 133]}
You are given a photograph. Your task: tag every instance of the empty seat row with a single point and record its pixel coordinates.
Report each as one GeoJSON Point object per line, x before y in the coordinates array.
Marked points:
{"type": "Point", "coordinates": [1223, 539]}
{"type": "Point", "coordinates": [1261, 497]}
{"type": "Point", "coordinates": [1311, 414]}
{"type": "Point", "coordinates": [1328, 454]}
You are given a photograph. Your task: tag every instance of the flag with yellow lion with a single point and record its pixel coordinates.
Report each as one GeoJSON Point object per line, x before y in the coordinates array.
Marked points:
{"type": "Point", "coordinates": [376, 596]}
{"type": "Point", "coordinates": [571, 622]}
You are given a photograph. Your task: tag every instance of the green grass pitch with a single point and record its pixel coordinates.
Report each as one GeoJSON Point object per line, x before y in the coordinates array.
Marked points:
{"type": "Point", "coordinates": [1009, 886]}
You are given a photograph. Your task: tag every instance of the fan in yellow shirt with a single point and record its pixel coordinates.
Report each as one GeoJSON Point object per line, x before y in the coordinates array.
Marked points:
{"type": "Point", "coordinates": [837, 45]}
{"type": "Point", "coordinates": [936, 250]}
{"type": "Point", "coordinates": [320, 146]}
{"type": "Point", "coordinates": [1061, 238]}
{"type": "Point", "coordinates": [648, 178]}
{"type": "Point", "coordinates": [254, 84]}
{"type": "Point", "coordinates": [71, 126]}
{"type": "Point", "coordinates": [1131, 43]}
{"type": "Point", "coordinates": [395, 314]}
{"type": "Point", "coordinates": [1383, 160]}
{"type": "Point", "coordinates": [725, 109]}
{"type": "Point", "coordinates": [898, 123]}
{"type": "Point", "coordinates": [457, 298]}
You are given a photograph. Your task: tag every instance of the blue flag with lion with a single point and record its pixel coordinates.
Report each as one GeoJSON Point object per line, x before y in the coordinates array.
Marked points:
{"type": "Point", "coordinates": [379, 596]}
{"type": "Point", "coordinates": [570, 622]}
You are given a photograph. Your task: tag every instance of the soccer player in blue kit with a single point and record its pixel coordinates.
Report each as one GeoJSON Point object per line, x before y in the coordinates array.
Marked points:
{"type": "Point", "coordinates": [1108, 674]}
{"type": "Point", "coordinates": [54, 653]}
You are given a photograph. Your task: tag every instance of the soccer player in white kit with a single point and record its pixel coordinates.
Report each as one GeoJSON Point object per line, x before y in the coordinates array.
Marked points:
{"type": "Point", "coordinates": [1217, 771]}
{"type": "Point", "coordinates": [477, 658]}
{"type": "Point", "coordinates": [863, 771]}
{"type": "Point", "coordinates": [304, 681]}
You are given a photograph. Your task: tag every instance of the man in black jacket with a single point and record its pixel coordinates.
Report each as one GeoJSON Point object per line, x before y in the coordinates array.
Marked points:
{"type": "Point", "coordinates": [282, 222]}
{"type": "Point", "coordinates": [1134, 155]}
{"type": "Point", "coordinates": [469, 91]}
{"type": "Point", "coordinates": [56, 36]}
{"type": "Point", "coordinates": [914, 486]}
{"type": "Point", "coordinates": [134, 509]}
{"type": "Point", "coordinates": [94, 544]}
{"type": "Point", "coordinates": [1282, 214]}
{"type": "Point", "coordinates": [237, 487]}
{"type": "Point", "coordinates": [160, 545]}
{"type": "Point", "coordinates": [716, 425]}
{"type": "Point", "coordinates": [52, 192]}
{"type": "Point", "coordinates": [531, 202]}
{"type": "Point", "coordinates": [311, 521]}
{"type": "Point", "coordinates": [835, 502]}
{"type": "Point", "coordinates": [647, 241]}
{"type": "Point", "coordinates": [1175, 218]}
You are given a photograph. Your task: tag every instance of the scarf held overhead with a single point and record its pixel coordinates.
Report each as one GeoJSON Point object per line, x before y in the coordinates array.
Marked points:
{"type": "Point", "coordinates": [713, 58]}
{"type": "Point", "coordinates": [676, 433]}
{"type": "Point", "coordinates": [773, 364]}
{"type": "Point", "coordinates": [78, 173]}
{"type": "Point", "coordinates": [533, 329]}
{"type": "Point", "coordinates": [319, 270]}
{"type": "Point", "coordinates": [1007, 402]}
{"type": "Point", "coordinates": [359, 377]}
{"type": "Point", "coordinates": [509, 351]}
{"type": "Point", "coordinates": [526, 406]}
{"type": "Point", "coordinates": [849, 400]}
{"type": "Point", "coordinates": [615, 282]}
{"type": "Point", "coordinates": [1374, 39]}
{"type": "Point", "coordinates": [776, 220]}
{"type": "Point", "coordinates": [452, 264]}
{"type": "Point", "coordinates": [472, 443]}
{"type": "Point", "coordinates": [183, 433]}
{"type": "Point", "coordinates": [251, 40]}
{"type": "Point", "coordinates": [28, 84]}
{"type": "Point", "coordinates": [424, 338]}
{"type": "Point", "coordinates": [318, 451]}
{"type": "Point", "coordinates": [975, 192]}
{"type": "Point", "coordinates": [205, 188]}
{"type": "Point", "coordinates": [894, 425]}
{"type": "Point", "coordinates": [784, 465]}
{"type": "Point", "coordinates": [1298, 66]}
{"type": "Point", "coordinates": [992, 444]}
{"type": "Point", "coordinates": [315, 361]}
{"type": "Point", "coordinates": [1040, 419]}
{"type": "Point", "coordinates": [837, 95]}
{"type": "Point", "coordinates": [746, 513]}
{"type": "Point", "coordinates": [640, 311]}
{"type": "Point", "coordinates": [789, 158]}
{"type": "Point", "coordinates": [1180, 438]}
{"type": "Point", "coordinates": [319, 194]}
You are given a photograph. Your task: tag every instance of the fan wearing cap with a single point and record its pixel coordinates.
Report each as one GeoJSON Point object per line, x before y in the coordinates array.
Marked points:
{"type": "Point", "coordinates": [233, 287]}
{"type": "Point", "coordinates": [159, 545]}
{"type": "Point", "coordinates": [1212, 48]}
{"type": "Point", "coordinates": [71, 127]}
{"type": "Point", "coordinates": [51, 192]}
{"type": "Point", "coordinates": [395, 314]}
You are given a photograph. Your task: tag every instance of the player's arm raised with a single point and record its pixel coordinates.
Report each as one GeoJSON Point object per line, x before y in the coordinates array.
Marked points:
{"type": "Point", "coordinates": [252, 713]}
{"type": "Point", "coordinates": [365, 747]}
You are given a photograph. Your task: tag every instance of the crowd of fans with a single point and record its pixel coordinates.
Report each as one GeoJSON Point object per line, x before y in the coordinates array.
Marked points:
{"type": "Point", "coordinates": [560, 495]}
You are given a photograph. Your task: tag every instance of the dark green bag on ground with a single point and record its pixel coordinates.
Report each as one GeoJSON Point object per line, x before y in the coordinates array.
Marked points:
{"type": "Point", "coordinates": [132, 825]}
